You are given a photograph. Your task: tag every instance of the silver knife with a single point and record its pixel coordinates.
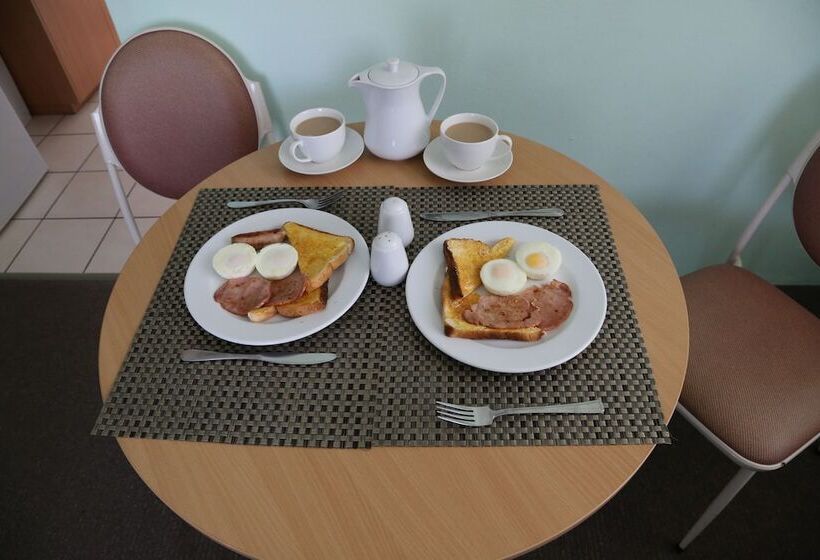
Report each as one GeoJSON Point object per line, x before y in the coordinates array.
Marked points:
{"type": "Point", "coordinates": [287, 358]}
{"type": "Point", "coordinates": [471, 216]}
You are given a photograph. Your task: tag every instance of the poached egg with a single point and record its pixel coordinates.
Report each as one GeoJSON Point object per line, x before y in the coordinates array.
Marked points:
{"type": "Point", "coordinates": [277, 261]}
{"type": "Point", "coordinates": [502, 277]}
{"type": "Point", "coordinates": [234, 261]}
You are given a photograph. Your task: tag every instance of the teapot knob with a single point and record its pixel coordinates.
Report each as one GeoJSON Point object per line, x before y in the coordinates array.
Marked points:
{"type": "Point", "coordinates": [393, 64]}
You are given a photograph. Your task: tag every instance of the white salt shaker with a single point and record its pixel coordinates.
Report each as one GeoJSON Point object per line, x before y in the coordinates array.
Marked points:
{"type": "Point", "coordinates": [394, 215]}
{"type": "Point", "coordinates": [388, 259]}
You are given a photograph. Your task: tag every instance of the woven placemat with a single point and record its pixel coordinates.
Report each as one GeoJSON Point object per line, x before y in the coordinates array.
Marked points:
{"type": "Point", "coordinates": [381, 390]}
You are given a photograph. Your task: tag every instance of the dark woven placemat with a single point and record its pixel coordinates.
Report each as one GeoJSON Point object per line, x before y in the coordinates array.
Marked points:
{"type": "Point", "coordinates": [381, 390]}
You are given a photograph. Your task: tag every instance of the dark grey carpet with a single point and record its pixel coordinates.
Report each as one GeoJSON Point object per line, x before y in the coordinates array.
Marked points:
{"type": "Point", "coordinates": [65, 494]}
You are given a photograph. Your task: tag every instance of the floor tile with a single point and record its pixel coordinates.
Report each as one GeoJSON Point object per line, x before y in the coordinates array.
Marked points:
{"type": "Point", "coordinates": [12, 238]}
{"type": "Point", "coordinates": [145, 203]}
{"type": "Point", "coordinates": [94, 162]}
{"type": "Point", "coordinates": [88, 195]}
{"type": "Point", "coordinates": [37, 140]}
{"type": "Point", "coordinates": [66, 152]}
{"type": "Point", "coordinates": [116, 246]}
{"type": "Point", "coordinates": [43, 196]}
{"type": "Point", "coordinates": [78, 123]}
{"type": "Point", "coordinates": [127, 181]}
{"type": "Point", "coordinates": [42, 124]}
{"type": "Point", "coordinates": [61, 246]}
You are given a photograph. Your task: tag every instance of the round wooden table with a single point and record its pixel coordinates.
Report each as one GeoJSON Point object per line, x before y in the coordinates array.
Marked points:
{"type": "Point", "coordinates": [393, 502]}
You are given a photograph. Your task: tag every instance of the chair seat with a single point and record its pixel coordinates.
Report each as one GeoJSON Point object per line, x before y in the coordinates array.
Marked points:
{"type": "Point", "coordinates": [754, 364]}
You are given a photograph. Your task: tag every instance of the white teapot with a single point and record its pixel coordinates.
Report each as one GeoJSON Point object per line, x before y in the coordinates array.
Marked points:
{"type": "Point", "coordinates": [396, 125]}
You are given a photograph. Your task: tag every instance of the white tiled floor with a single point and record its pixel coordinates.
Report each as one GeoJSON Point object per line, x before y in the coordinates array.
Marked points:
{"type": "Point", "coordinates": [145, 203]}
{"type": "Point", "coordinates": [94, 162]}
{"type": "Point", "coordinates": [66, 152]}
{"type": "Point", "coordinates": [61, 246]}
{"type": "Point", "coordinates": [113, 251]}
{"type": "Point", "coordinates": [78, 123]}
{"type": "Point", "coordinates": [88, 195]}
{"type": "Point", "coordinates": [12, 239]}
{"type": "Point", "coordinates": [44, 195]}
{"type": "Point", "coordinates": [42, 124]}
{"type": "Point", "coordinates": [71, 221]}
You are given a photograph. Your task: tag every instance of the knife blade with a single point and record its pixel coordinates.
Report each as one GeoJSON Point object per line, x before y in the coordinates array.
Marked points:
{"type": "Point", "coordinates": [285, 358]}
{"type": "Point", "coordinates": [483, 215]}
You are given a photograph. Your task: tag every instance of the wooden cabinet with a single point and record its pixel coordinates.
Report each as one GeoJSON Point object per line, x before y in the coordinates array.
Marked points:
{"type": "Point", "coordinates": [56, 50]}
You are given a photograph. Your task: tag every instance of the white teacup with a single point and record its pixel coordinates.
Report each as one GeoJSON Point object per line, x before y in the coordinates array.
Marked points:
{"type": "Point", "coordinates": [318, 133]}
{"type": "Point", "coordinates": [469, 140]}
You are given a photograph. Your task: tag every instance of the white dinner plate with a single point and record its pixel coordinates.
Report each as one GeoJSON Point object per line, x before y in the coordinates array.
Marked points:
{"type": "Point", "coordinates": [423, 289]}
{"type": "Point", "coordinates": [344, 286]}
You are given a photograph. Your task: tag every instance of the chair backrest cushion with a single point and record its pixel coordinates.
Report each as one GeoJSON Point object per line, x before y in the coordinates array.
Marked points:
{"type": "Point", "coordinates": [806, 207]}
{"type": "Point", "coordinates": [175, 110]}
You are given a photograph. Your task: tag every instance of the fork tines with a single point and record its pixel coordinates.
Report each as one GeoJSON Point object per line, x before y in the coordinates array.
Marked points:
{"type": "Point", "coordinates": [457, 414]}
{"type": "Point", "coordinates": [328, 200]}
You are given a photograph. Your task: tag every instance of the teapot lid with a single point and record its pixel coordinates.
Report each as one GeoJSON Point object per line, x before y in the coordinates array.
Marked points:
{"type": "Point", "coordinates": [393, 73]}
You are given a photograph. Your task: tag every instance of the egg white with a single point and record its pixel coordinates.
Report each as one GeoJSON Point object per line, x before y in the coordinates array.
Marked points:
{"type": "Point", "coordinates": [276, 261]}
{"type": "Point", "coordinates": [235, 260]}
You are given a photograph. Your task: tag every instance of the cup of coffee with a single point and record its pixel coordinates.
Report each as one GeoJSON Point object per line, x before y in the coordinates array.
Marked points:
{"type": "Point", "coordinates": [469, 140]}
{"type": "Point", "coordinates": [318, 133]}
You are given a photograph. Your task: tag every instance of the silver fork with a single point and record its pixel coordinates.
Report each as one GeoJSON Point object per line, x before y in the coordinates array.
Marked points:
{"type": "Point", "coordinates": [484, 415]}
{"type": "Point", "coordinates": [312, 203]}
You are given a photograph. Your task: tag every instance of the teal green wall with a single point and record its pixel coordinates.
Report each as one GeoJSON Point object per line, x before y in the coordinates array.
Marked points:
{"type": "Point", "coordinates": [693, 109]}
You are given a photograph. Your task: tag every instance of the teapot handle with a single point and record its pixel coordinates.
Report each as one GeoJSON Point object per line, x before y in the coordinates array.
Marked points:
{"type": "Point", "coordinates": [431, 71]}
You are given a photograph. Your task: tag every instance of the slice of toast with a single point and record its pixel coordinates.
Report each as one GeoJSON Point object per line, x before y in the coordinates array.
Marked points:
{"type": "Point", "coordinates": [320, 253]}
{"type": "Point", "coordinates": [311, 302]}
{"type": "Point", "coordinates": [456, 327]}
{"type": "Point", "coordinates": [465, 257]}
{"type": "Point", "coordinates": [262, 313]}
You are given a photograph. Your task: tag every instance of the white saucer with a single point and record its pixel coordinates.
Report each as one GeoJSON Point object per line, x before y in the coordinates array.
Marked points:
{"type": "Point", "coordinates": [436, 162]}
{"type": "Point", "coordinates": [351, 151]}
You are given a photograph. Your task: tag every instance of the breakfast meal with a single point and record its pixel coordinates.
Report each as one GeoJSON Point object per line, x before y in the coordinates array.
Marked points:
{"type": "Point", "coordinates": [487, 295]}
{"type": "Point", "coordinates": [281, 271]}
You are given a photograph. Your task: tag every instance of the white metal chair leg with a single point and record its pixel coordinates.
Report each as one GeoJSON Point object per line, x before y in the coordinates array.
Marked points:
{"type": "Point", "coordinates": [721, 501]}
{"type": "Point", "coordinates": [122, 199]}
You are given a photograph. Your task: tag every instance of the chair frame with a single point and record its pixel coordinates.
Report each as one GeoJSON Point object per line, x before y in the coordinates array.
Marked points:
{"type": "Point", "coordinates": [264, 125]}
{"type": "Point", "coordinates": [747, 468]}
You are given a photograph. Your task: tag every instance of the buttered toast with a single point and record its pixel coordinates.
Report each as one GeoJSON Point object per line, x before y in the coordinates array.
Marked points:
{"type": "Point", "coordinates": [465, 257]}
{"type": "Point", "coordinates": [320, 253]}
{"type": "Point", "coordinates": [456, 327]}
{"type": "Point", "coordinates": [311, 302]}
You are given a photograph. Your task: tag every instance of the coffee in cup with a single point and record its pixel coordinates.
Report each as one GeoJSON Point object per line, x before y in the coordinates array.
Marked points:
{"type": "Point", "coordinates": [470, 139]}
{"type": "Point", "coordinates": [319, 134]}
{"type": "Point", "coordinates": [317, 126]}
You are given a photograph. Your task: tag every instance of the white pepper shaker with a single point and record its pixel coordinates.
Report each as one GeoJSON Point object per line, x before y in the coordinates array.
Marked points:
{"type": "Point", "coordinates": [394, 215]}
{"type": "Point", "coordinates": [388, 259]}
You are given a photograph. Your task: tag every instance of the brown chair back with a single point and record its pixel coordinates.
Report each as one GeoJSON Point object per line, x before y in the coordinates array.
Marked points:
{"type": "Point", "coordinates": [175, 110]}
{"type": "Point", "coordinates": [806, 207]}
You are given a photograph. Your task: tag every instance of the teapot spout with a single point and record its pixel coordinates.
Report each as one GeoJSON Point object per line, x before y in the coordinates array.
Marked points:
{"type": "Point", "coordinates": [356, 81]}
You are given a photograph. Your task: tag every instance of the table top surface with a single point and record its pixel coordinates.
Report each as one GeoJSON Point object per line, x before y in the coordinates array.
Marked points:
{"type": "Point", "coordinates": [397, 502]}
